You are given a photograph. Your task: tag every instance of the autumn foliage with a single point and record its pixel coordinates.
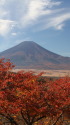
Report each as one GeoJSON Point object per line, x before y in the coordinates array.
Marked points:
{"type": "Point", "coordinates": [26, 99]}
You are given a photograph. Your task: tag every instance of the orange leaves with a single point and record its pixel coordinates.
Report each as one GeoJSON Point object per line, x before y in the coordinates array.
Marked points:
{"type": "Point", "coordinates": [5, 65]}
{"type": "Point", "coordinates": [30, 94]}
{"type": "Point", "coordinates": [60, 93]}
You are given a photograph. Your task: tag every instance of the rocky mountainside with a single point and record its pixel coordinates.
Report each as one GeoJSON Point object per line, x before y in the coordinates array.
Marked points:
{"type": "Point", "coordinates": [30, 55]}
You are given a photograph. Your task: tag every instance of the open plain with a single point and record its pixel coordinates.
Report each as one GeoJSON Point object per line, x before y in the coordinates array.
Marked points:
{"type": "Point", "coordinates": [48, 73]}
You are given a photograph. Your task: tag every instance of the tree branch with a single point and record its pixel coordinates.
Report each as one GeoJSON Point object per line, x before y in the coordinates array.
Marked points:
{"type": "Point", "coordinates": [57, 119]}
{"type": "Point", "coordinates": [24, 117]}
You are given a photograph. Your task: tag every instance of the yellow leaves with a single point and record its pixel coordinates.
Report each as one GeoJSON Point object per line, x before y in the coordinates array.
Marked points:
{"type": "Point", "coordinates": [14, 116]}
{"type": "Point", "coordinates": [36, 122]}
{"type": "Point", "coordinates": [33, 80]}
{"type": "Point", "coordinates": [19, 93]}
{"type": "Point", "coordinates": [46, 122]}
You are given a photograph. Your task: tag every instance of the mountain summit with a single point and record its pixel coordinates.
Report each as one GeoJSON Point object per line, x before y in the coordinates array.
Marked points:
{"type": "Point", "coordinates": [30, 55]}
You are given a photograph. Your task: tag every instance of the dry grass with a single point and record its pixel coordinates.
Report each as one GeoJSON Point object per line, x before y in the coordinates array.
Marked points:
{"type": "Point", "coordinates": [49, 73]}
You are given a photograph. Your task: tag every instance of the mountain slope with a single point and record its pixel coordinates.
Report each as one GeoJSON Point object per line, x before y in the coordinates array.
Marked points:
{"type": "Point", "coordinates": [29, 54]}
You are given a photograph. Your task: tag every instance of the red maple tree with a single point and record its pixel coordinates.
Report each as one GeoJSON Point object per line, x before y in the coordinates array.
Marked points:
{"type": "Point", "coordinates": [23, 98]}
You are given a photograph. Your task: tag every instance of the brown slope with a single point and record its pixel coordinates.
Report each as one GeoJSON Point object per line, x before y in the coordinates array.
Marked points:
{"type": "Point", "coordinates": [29, 54]}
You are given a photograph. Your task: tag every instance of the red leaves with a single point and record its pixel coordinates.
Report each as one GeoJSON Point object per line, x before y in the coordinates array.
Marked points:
{"type": "Point", "coordinates": [24, 91]}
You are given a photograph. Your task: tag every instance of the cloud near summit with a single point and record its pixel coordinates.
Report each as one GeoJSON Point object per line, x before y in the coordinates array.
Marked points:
{"type": "Point", "coordinates": [21, 14]}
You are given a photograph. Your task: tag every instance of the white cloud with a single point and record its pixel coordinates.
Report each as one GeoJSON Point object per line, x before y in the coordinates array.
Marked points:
{"type": "Point", "coordinates": [57, 22]}
{"type": "Point", "coordinates": [27, 13]}
{"type": "Point", "coordinates": [36, 9]}
{"type": "Point", "coordinates": [2, 2]}
{"type": "Point", "coordinates": [3, 13]}
{"type": "Point", "coordinates": [5, 26]}
{"type": "Point", "coordinates": [13, 34]}
{"type": "Point", "coordinates": [51, 4]}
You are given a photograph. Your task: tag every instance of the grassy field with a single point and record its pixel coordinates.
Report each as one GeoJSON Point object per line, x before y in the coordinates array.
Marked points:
{"type": "Point", "coordinates": [48, 73]}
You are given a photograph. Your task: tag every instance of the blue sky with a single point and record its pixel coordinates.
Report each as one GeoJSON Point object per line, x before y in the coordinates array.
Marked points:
{"type": "Point", "coordinates": [46, 22]}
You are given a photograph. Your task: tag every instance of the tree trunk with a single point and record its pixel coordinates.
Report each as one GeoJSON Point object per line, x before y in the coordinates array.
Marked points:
{"type": "Point", "coordinates": [30, 123]}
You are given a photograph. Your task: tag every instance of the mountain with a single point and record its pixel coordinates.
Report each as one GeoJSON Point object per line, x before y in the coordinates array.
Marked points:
{"type": "Point", "coordinates": [30, 55]}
